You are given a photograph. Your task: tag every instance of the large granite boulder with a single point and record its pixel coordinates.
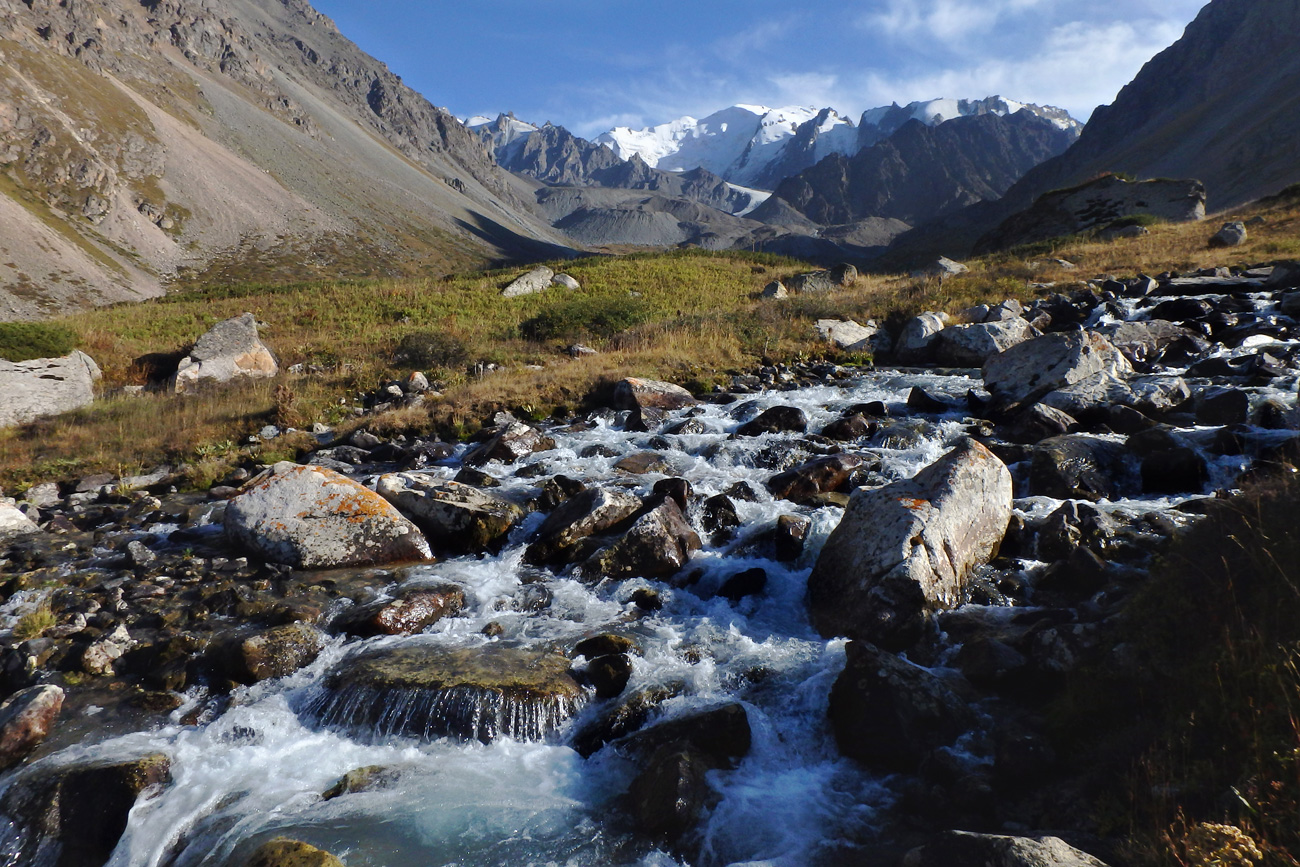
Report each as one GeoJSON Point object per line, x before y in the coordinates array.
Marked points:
{"type": "Point", "coordinates": [314, 518]}
{"type": "Point", "coordinates": [633, 393]}
{"type": "Point", "coordinates": [910, 547]}
{"type": "Point", "coordinates": [229, 350]}
{"type": "Point", "coordinates": [536, 280]}
{"type": "Point", "coordinates": [453, 516]}
{"type": "Point", "coordinates": [1029, 370]}
{"type": "Point", "coordinates": [26, 718]}
{"type": "Point", "coordinates": [472, 693]}
{"type": "Point", "coordinates": [969, 345]}
{"type": "Point", "coordinates": [916, 341]}
{"type": "Point", "coordinates": [46, 386]}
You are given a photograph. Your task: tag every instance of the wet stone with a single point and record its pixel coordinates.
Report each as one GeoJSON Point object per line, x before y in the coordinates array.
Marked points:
{"type": "Point", "coordinates": [472, 693]}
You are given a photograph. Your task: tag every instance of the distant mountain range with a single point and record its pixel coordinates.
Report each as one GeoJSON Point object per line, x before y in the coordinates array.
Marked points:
{"type": "Point", "coordinates": [144, 143]}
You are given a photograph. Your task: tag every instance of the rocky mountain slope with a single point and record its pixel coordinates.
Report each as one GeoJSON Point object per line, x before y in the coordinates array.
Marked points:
{"type": "Point", "coordinates": [920, 172]}
{"type": "Point", "coordinates": [140, 141]}
{"type": "Point", "coordinates": [1220, 105]}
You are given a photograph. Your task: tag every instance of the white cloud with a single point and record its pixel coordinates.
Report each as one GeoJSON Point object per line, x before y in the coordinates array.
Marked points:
{"type": "Point", "coordinates": [951, 22]}
{"type": "Point", "coordinates": [1077, 67]}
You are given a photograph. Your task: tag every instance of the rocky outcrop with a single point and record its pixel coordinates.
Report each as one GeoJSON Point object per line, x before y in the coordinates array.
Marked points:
{"type": "Point", "coordinates": [46, 386]}
{"type": "Point", "coordinates": [1096, 205]}
{"type": "Point", "coordinates": [910, 547]}
{"type": "Point", "coordinates": [229, 350]}
{"type": "Point", "coordinates": [314, 518]}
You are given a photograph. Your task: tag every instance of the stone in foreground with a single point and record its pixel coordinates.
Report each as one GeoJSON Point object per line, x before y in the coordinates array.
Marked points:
{"type": "Point", "coordinates": [314, 518]}
{"type": "Point", "coordinates": [26, 718]}
{"type": "Point", "coordinates": [229, 350]}
{"type": "Point", "coordinates": [966, 849]}
{"type": "Point", "coordinates": [471, 693]}
{"type": "Point", "coordinates": [45, 386]}
{"type": "Point", "coordinates": [910, 547]}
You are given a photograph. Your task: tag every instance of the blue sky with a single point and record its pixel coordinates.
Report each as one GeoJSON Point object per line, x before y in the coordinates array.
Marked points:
{"type": "Point", "coordinates": [593, 64]}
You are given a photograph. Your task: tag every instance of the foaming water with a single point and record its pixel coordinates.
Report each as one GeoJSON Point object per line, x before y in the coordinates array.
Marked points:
{"type": "Point", "coordinates": [526, 797]}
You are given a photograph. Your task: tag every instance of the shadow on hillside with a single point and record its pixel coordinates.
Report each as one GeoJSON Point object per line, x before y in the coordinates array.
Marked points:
{"type": "Point", "coordinates": [516, 248]}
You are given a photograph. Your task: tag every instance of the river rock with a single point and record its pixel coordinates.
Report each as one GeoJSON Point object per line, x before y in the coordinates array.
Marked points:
{"type": "Point", "coordinates": [13, 522]}
{"type": "Point", "coordinates": [454, 516]}
{"type": "Point", "coordinates": [1231, 235]}
{"type": "Point", "coordinates": [1029, 370]}
{"type": "Point", "coordinates": [970, 345]}
{"type": "Point", "coordinates": [26, 718]}
{"type": "Point", "coordinates": [818, 476]}
{"type": "Point", "coordinates": [791, 533]}
{"type": "Point", "coordinates": [659, 544]}
{"type": "Point", "coordinates": [916, 342]}
{"type": "Point", "coordinates": [74, 816]}
{"type": "Point", "coordinates": [668, 797]}
{"type": "Point", "coordinates": [283, 852]}
{"type": "Point", "coordinates": [313, 518]}
{"type": "Point", "coordinates": [1095, 397]}
{"type": "Point", "coordinates": [1078, 467]}
{"type": "Point", "coordinates": [277, 652]}
{"type": "Point", "coordinates": [1144, 342]}
{"type": "Point", "coordinates": [229, 350]}
{"type": "Point", "coordinates": [430, 691]}
{"type": "Point", "coordinates": [506, 443]}
{"type": "Point", "coordinates": [890, 714]}
{"type": "Point", "coordinates": [910, 547]}
{"type": "Point", "coordinates": [536, 280]}
{"type": "Point", "coordinates": [632, 393]}
{"type": "Point", "coordinates": [966, 849]}
{"type": "Point", "coordinates": [775, 419]}
{"type": "Point", "coordinates": [46, 386]}
{"type": "Point", "coordinates": [413, 610]}
{"type": "Point", "coordinates": [588, 513]}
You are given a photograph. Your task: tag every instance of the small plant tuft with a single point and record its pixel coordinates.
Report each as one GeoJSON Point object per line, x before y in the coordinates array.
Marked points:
{"type": "Point", "coordinates": [23, 341]}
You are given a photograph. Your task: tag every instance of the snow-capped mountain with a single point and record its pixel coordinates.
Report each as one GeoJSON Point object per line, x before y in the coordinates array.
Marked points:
{"type": "Point", "coordinates": [757, 145]}
{"type": "Point", "coordinates": [736, 143]}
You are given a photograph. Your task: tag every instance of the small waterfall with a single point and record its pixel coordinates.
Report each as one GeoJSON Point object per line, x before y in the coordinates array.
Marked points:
{"type": "Point", "coordinates": [429, 692]}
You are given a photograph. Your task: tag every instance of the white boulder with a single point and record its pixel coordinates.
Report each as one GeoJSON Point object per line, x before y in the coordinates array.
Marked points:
{"type": "Point", "coordinates": [46, 386]}
{"type": "Point", "coordinates": [231, 349]}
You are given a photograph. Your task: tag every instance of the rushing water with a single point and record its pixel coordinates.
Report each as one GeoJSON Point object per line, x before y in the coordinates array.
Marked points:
{"type": "Point", "coordinates": [257, 769]}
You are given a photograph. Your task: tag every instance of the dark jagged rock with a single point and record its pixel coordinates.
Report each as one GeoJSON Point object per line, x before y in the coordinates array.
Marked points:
{"type": "Point", "coordinates": [1078, 467]}
{"type": "Point", "coordinates": [889, 714]}
{"type": "Point", "coordinates": [593, 511]}
{"type": "Point", "coordinates": [819, 476]}
{"type": "Point", "coordinates": [454, 516]}
{"type": "Point", "coordinates": [775, 420]}
{"type": "Point", "coordinates": [657, 545]}
{"type": "Point", "coordinates": [411, 611]}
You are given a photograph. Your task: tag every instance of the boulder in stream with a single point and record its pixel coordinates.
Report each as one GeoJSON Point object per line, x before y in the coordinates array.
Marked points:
{"type": "Point", "coordinates": [910, 547]}
{"type": "Point", "coordinates": [818, 476]}
{"type": "Point", "coordinates": [633, 393]}
{"type": "Point", "coordinates": [453, 516]}
{"type": "Point", "coordinates": [283, 852]}
{"type": "Point", "coordinates": [967, 849]}
{"type": "Point", "coordinates": [658, 545]}
{"type": "Point", "coordinates": [472, 693]}
{"type": "Point", "coordinates": [590, 512]}
{"type": "Point", "coordinates": [1029, 370]}
{"type": "Point", "coordinates": [314, 518]}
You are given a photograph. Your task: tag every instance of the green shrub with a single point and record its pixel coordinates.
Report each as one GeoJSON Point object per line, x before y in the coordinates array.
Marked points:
{"type": "Point", "coordinates": [22, 341]}
{"type": "Point", "coordinates": [426, 349]}
{"type": "Point", "coordinates": [580, 318]}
